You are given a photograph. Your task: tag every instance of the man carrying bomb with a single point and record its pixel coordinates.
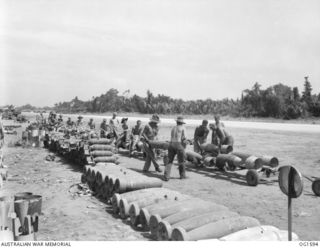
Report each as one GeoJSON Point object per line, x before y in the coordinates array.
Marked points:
{"type": "Point", "coordinates": [177, 147]}
{"type": "Point", "coordinates": [150, 132]}
{"type": "Point", "coordinates": [200, 136]}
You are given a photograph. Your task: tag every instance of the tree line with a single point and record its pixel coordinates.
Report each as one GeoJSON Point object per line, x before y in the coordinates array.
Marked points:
{"type": "Point", "coordinates": [278, 101]}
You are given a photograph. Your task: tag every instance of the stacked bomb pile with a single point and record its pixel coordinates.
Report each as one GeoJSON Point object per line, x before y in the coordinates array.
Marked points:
{"type": "Point", "coordinates": [19, 216]}
{"type": "Point", "coordinates": [170, 215]}
{"type": "Point", "coordinates": [101, 151]}
{"type": "Point", "coordinates": [106, 179]}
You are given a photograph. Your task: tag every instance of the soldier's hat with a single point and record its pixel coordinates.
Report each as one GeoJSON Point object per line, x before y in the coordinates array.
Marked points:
{"type": "Point", "coordinates": [180, 119]}
{"type": "Point", "coordinates": [80, 117]}
{"type": "Point", "coordinates": [155, 119]}
{"type": "Point", "coordinates": [123, 120]}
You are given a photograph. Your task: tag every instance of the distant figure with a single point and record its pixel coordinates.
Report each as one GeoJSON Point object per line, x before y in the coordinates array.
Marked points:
{"type": "Point", "coordinates": [135, 136]}
{"type": "Point", "coordinates": [123, 140]}
{"type": "Point", "coordinates": [114, 124]}
{"type": "Point", "coordinates": [69, 123]}
{"type": "Point", "coordinates": [104, 128]}
{"type": "Point", "coordinates": [150, 131]}
{"type": "Point", "coordinates": [79, 122]}
{"type": "Point", "coordinates": [60, 119]}
{"type": "Point", "coordinates": [200, 136]}
{"type": "Point", "coordinates": [177, 147]}
{"type": "Point", "coordinates": [42, 119]}
{"type": "Point", "coordinates": [59, 123]}
{"type": "Point", "coordinates": [52, 120]}
{"type": "Point", "coordinates": [1, 135]}
{"type": "Point", "coordinates": [220, 133]}
{"type": "Point", "coordinates": [91, 124]}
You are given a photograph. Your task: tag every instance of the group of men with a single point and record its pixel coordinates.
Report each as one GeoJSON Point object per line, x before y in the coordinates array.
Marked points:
{"type": "Point", "coordinates": [130, 139]}
{"type": "Point", "coordinates": [179, 141]}
{"type": "Point", "coordinates": [219, 135]}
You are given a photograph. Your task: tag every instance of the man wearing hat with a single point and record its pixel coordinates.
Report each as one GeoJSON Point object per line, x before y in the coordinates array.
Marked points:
{"type": "Point", "coordinates": [79, 122]}
{"type": "Point", "coordinates": [177, 146]}
{"type": "Point", "coordinates": [200, 135]}
{"type": "Point", "coordinates": [150, 132]}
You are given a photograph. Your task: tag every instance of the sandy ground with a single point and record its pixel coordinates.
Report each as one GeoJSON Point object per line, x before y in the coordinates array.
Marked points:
{"type": "Point", "coordinates": [66, 217]}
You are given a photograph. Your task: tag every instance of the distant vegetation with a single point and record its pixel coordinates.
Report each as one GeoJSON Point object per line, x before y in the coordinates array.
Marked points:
{"type": "Point", "coordinates": [24, 108]}
{"type": "Point", "coordinates": [277, 101]}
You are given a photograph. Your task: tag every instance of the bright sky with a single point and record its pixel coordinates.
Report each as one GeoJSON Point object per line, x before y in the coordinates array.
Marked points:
{"type": "Point", "coordinates": [54, 50]}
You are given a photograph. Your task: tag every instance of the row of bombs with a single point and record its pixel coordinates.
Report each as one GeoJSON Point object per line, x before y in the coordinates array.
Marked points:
{"type": "Point", "coordinates": [238, 160]}
{"type": "Point", "coordinates": [101, 150]}
{"type": "Point", "coordinates": [170, 215]}
{"type": "Point", "coordinates": [234, 159]}
{"type": "Point", "coordinates": [106, 179]}
{"type": "Point", "coordinates": [92, 151]}
{"type": "Point", "coordinates": [19, 216]}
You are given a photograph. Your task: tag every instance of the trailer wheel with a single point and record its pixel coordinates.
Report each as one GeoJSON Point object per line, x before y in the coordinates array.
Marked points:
{"type": "Point", "coordinates": [316, 187]}
{"type": "Point", "coordinates": [252, 178]}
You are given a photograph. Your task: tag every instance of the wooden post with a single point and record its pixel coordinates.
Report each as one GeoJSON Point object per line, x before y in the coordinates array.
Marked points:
{"type": "Point", "coordinates": [289, 219]}
{"type": "Point", "coordinates": [291, 193]}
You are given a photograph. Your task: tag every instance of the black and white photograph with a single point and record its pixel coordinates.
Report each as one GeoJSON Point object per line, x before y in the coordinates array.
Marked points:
{"type": "Point", "coordinates": [159, 120]}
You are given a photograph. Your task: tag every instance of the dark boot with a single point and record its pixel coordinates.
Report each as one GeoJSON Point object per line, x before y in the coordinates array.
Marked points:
{"type": "Point", "coordinates": [167, 172]}
{"type": "Point", "coordinates": [182, 171]}
{"type": "Point", "coordinates": [147, 164]}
